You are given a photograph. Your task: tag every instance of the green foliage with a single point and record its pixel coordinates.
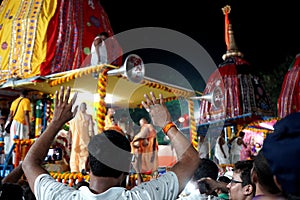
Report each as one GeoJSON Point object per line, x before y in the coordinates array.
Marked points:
{"type": "Point", "coordinates": [176, 108]}
{"type": "Point", "coordinates": [137, 113]}
{"type": "Point", "coordinates": [273, 81]}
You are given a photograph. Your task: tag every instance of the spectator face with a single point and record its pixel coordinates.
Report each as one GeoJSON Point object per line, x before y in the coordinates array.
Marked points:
{"type": "Point", "coordinates": [103, 37]}
{"type": "Point", "coordinates": [236, 189]}
{"type": "Point", "coordinates": [83, 107]}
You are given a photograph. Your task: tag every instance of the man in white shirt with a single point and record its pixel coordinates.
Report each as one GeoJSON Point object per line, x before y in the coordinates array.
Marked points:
{"type": "Point", "coordinates": [110, 158]}
{"type": "Point", "coordinates": [236, 148]}
{"type": "Point", "coordinates": [99, 50]}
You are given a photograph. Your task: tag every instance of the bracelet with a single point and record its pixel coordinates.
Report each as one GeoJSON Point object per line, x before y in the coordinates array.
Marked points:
{"type": "Point", "coordinates": [167, 127]}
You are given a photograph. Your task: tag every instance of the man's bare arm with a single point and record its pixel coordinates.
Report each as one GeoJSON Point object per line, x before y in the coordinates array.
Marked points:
{"type": "Point", "coordinates": [9, 118]}
{"type": "Point", "coordinates": [36, 154]}
{"type": "Point", "coordinates": [188, 159]}
{"type": "Point", "coordinates": [14, 175]}
{"type": "Point", "coordinates": [26, 113]}
{"type": "Point", "coordinates": [213, 185]}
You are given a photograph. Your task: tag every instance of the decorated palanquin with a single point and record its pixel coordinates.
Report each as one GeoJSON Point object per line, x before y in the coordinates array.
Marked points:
{"type": "Point", "coordinates": [236, 92]}
{"type": "Point", "coordinates": [232, 90]}
{"type": "Point", "coordinates": [42, 37]}
{"type": "Point", "coordinates": [289, 99]}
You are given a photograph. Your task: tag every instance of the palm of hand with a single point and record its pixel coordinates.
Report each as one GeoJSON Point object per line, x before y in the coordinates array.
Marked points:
{"type": "Point", "coordinates": [160, 115]}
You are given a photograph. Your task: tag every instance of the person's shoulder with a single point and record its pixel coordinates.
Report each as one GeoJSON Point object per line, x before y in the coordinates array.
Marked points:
{"type": "Point", "coordinates": [150, 126]}
{"type": "Point", "coordinates": [88, 115]}
{"type": "Point", "coordinates": [26, 99]}
{"type": "Point", "coordinates": [16, 100]}
{"type": "Point", "coordinates": [166, 185]}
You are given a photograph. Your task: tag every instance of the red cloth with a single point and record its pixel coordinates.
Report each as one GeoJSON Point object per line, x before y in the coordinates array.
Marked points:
{"type": "Point", "coordinates": [226, 79]}
{"type": "Point", "coordinates": [289, 98]}
{"type": "Point", "coordinates": [239, 92]}
{"type": "Point", "coordinates": [70, 34]}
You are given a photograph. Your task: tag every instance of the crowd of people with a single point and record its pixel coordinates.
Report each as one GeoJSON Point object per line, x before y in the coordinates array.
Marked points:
{"type": "Point", "coordinates": [229, 151]}
{"type": "Point", "coordinates": [271, 173]}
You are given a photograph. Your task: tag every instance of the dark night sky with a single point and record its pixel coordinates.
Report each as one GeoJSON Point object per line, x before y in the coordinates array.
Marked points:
{"type": "Point", "coordinates": [265, 33]}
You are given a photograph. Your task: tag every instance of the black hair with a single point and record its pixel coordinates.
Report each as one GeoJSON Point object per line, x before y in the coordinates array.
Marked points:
{"type": "Point", "coordinates": [244, 167]}
{"type": "Point", "coordinates": [206, 168]}
{"type": "Point", "coordinates": [264, 174]}
{"type": "Point", "coordinates": [81, 183]}
{"type": "Point", "coordinates": [100, 148]}
{"type": "Point", "coordinates": [224, 179]}
{"type": "Point", "coordinates": [241, 134]}
{"type": "Point", "coordinates": [104, 33]}
{"type": "Point", "coordinates": [11, 191]}
{"type": "Point", "coordinates": [147, 119]}
{"type": "Point", "coordinates": [24, 92]}
{"type": "Point", "coordinates": [144, 118]}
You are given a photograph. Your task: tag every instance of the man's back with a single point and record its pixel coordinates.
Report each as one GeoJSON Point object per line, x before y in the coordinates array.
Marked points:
{"type": "Point", "coordinates": [166, 187]}
{"type": "Point", "coordinates": [19, 110]}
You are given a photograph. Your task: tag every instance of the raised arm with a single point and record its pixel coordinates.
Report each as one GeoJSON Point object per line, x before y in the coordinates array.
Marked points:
{"type": "Point", "coordinates": [221, 141]}
{"type": "Point", "coordinates": [213, 185]}
{"type": "Point", "coordinates": [36, 154]}
{"type": "Point", "coordinates": [9, 118]}
{"type": "Point", "coordinates": [26, 113]}
{"type": "Point", "coordinates": [14, 176]}
{"type": "Point", "coordinates": [188, 159]}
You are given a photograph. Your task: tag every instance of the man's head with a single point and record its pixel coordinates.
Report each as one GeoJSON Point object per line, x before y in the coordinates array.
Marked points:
{"type": "Point", "coordinates": [11, 191]}
{"type": "Point", "coordinates": [241, 187]}
{"type": "Point", "coordinates": [143, 121]}
{"type": "Point", "coordinates": [83, 107]}
{"type": "Point", "coordinates": [242, 134]}
{"type": "Point", "coordinates": [282, 150]}
{"type": "Point", "coordinates": [109, 154]}
{"type": "Point", "coordinates": [104, 35]}
{"type": "Point", "coordinates": [24, 93]}
{"type": "Point", "coordinates": [110, 111]}
{"type": "Point", "coordinates": [262, 174]}
{"type": "Point", "coordinates": [207, 168]}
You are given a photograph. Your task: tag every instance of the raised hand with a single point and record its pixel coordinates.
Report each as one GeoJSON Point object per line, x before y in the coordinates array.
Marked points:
{"type": "Point", "coordinates": [62, 107]}
{"type": "Point", "coordinates": [157, 109]}
{"type": "Point", "coordinates": [32, 164]}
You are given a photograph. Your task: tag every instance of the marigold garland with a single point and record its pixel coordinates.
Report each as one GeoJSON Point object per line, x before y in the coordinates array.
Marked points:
{"type": "Point", "coordinates": [101, 110]}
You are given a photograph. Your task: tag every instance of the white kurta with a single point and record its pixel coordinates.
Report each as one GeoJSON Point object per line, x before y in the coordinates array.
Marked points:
{"type": "Point", "coordinates": [219, 154]}
{"type": "Point", "coordinates": [102, 52]}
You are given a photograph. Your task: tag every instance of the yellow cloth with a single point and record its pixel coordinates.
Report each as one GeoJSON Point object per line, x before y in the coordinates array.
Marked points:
{"type": "Point", "coordinates": [24, 31]}
{"type": "Point", "coordinates": [79, 127]}
{"type": "Point", "coordinates": [23, 106]}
